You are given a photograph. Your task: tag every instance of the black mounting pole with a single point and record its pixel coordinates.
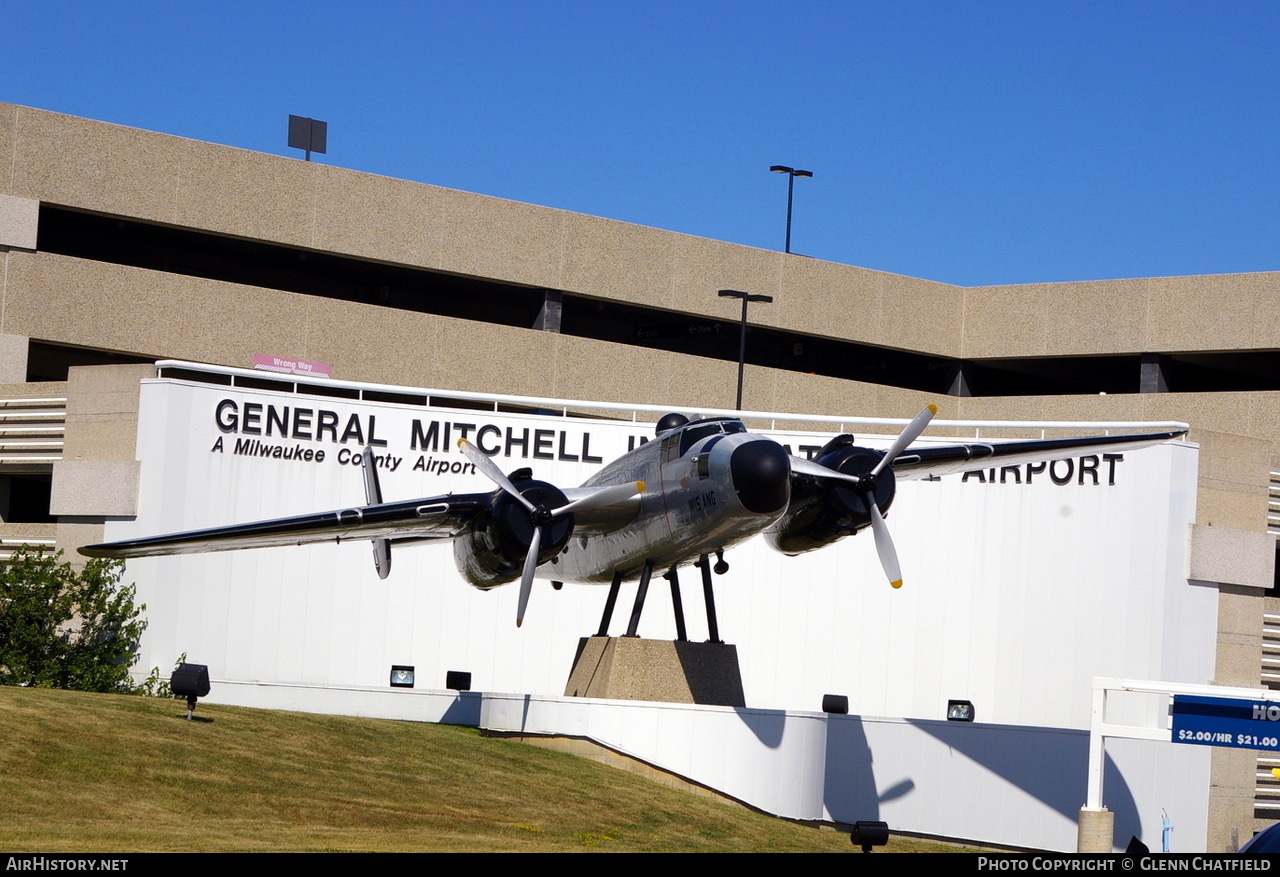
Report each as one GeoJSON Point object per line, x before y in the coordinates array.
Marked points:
{"type": "Point", "coordinates": [709, 597]}
{"type": "Point", "coordinates": [609, 603]}
{"type": "Point", "coordinates": [636, 609]}
{"type": "Point", "coordinates": [676, 604]}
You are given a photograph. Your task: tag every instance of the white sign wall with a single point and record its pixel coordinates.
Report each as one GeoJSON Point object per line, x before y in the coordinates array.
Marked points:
{"type": "Point", "coordinates": [1016, 593]}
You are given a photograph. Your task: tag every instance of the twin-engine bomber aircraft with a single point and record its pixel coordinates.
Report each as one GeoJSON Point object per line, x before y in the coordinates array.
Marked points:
{"type": "Point", "coordinates": [701, 487]}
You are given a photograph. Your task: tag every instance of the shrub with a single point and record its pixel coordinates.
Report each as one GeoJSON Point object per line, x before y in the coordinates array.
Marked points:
{"type": "Point", "coordinates": [63, 628]}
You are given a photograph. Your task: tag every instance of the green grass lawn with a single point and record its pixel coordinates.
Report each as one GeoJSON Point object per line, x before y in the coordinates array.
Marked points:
{"type": "Point", "coordinates": [107, 773]}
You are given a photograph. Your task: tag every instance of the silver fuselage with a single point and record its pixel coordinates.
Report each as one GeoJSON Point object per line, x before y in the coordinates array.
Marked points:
{"type": "Point", "coordinates": [691, 504]}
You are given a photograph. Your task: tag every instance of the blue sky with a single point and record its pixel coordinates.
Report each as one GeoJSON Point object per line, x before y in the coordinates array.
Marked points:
{"type": "Point", "coordinates": [969, 142]}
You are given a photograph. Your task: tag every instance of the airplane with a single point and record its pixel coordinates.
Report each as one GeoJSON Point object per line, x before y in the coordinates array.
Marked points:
{"type": "Point", "coordinates": [699, 488]}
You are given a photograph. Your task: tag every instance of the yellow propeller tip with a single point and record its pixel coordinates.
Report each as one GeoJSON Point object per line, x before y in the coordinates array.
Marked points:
{"type": "Point", "coordinates": [897, 584]}
{"type": "Point", "coordinates": [639, 487]}
{"type": "Point", "coordinates": [461, 442]}
{"type": "Point", "coordinates": [933, 409]}
{"type": "Point", "coordinates": [1275, 772]}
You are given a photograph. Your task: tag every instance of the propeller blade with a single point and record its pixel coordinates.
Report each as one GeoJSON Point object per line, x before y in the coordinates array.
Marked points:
{"type": "Point", "coordinates": [605, 497]}
{"type": "Point", "coordinates": [492, 472]}
{"type": "Point", "coordinates": [817, 470]}
{"type": "Point", "coordinates": [906, 437]}
{"type": "Point", "coordinates": [526, 579]}
{"type": "Point", "coordinates": [884, 545]}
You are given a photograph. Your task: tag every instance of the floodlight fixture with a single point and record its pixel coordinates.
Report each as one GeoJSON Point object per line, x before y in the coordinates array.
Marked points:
{"type": "Point", "coordinates": [190, 681]}
{"type": "Point", "coordinates": [791, 173]}
{"type": "Point", "coordinates": [868, 834]}
{"type": "Point", "coordinates": [457, 680]}
{"type": "Point", "coordinates": [837, 704]}
{"type": "Point", "coordinates": [742, 340]}
{"type": "Point", "coordinates": [960, 711]}
{"type": "Point", "coordinates": [402, 676]}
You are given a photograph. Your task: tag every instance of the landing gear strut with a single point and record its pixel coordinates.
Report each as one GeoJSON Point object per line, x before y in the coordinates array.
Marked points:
{"type": "Point", "coordinates": [609, 603]}
{"type": "Point", "coordinates": [708, 595]}
{"type": "Point", "coordinates": [641, 592]}
{"type": "Point", "coordinates": [677, 603]}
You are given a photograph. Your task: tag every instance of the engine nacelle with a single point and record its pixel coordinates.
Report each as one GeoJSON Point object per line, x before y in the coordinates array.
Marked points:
{"type": "Point", "coordinates": [492, 552]}
{"type": "Point", "coordinates": [823, 511]}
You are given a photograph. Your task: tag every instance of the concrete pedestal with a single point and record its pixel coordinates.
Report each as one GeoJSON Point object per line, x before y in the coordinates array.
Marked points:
{"type": "Point", "coordinates": [630, 668]}
{"type": "Point", "coordinates": [1094, 831]}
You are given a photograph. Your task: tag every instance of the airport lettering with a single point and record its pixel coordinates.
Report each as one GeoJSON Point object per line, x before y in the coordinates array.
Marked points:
{"type": "Point", "coordinates": [432, 466]}
{"type": "Point", "coordinates": [542, 444]}
{"type": "Point", "coordinates": [252, 424]}
{"type": "Point", "coordinates": [1082, 470]}
{"type": "Point", "coordinates": [259, 448]}
{"type": "Point", "coordinates": [302, 424]}
{"type": "Point", "coordinates": [348, 457]}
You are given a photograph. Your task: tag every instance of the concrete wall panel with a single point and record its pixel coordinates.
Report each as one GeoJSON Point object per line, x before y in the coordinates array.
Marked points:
{"type": "Point", "coordinates": [623, 262]}
{"type": "Point", "coordinates": [79, 163]}
{"type": "Point", "coordinates": [1207, 313]}
{"type": "Point", "coordinates": [247, 194]}
{"type": "Point", "coordinates": [920, 315]}
{"type": "Point", "coordinates": [701, 268]}
{"type": "Point", "coordinates": [379, 218]}
{"type": "Point", "coordinates": [48, 297]}
{"type": "Point", "coordinates": [18, 222]}
{"type": "Point", "coordinates": [489, 237]}
{"type": "Point", "coordinates": [8, 121]}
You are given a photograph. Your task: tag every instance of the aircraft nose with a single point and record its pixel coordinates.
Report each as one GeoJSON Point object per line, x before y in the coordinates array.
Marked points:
{"type": "Point", "coordinates": [761, 476]}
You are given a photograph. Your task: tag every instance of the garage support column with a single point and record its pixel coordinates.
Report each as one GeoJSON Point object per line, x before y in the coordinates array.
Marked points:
{"type": "Point", "coordinates": [549, 317]}
{"type": "Point", "coordinates": [13, 359]}
{"type": "Point", "coordinates": [19, 224]}
{"type": "Point", "coordinates": [960, 380]}
{"type": "Point", "coordinates": [98, 475]}
{"type": "Point", "coordinates": [1151, 378]}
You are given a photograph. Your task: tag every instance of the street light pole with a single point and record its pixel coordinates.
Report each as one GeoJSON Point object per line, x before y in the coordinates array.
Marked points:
{"type": "Point", "coordinates": [742, 339]}
{"type": "Point", "coordinates": [791, 173]}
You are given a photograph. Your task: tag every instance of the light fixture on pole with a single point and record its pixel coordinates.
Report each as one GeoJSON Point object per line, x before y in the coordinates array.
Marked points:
{"type": "Point", "coordinates": [742, 341]}
{"type": "Point", "coordinates": [791, 173]}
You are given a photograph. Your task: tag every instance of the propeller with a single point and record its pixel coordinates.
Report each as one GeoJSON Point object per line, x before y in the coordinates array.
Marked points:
{"type": "Point", "coordinates": [866, 486]}
{"type": "Point", "coordinates": [539, 515]}
{"type": "Point", "coordinates": [884, 542]}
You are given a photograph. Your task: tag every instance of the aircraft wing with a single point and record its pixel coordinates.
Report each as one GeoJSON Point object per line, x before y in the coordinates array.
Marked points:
{"type": "Point", "coordinates": [926, 461]}
{"type": "Point", "coordinates": [439, 517]}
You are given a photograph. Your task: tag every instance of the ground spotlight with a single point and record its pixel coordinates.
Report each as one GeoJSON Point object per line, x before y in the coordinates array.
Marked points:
{"type": "Point", "coordinates": [190, 681]}
{"type": "Point", "coordinates": [401, 676]}
{"type": "Point", "coordinates": [869, 834]}
{"type": "Point", "coordinates": [835, 703]}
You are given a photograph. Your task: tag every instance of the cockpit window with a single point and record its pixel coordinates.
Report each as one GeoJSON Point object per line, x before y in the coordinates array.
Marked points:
{"type": "Point", "coordinates": [698, 431]}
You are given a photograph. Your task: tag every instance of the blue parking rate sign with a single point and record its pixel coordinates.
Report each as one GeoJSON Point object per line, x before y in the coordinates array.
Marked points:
{"type": "Point", "coordinates": [1226, 721]}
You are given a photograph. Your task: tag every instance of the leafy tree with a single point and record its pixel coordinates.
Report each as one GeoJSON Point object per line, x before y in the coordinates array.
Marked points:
{"type": "Point", "coordinates": [62, 628]}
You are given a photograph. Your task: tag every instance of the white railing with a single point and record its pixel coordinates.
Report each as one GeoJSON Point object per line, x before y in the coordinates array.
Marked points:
{"type": "Point", "coordinates": [562, 406]}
